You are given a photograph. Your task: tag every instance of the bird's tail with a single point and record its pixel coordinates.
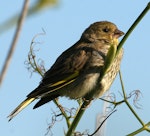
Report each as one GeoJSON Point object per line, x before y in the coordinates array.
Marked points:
{"type": "Point", "coordinates": [25, 103]}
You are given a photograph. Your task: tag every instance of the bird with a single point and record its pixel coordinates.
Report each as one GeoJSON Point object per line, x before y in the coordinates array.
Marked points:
{"type": "Point", "coordinates": [76, 71]}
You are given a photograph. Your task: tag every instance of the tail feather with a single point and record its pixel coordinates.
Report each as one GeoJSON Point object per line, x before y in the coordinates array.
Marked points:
{"type": "Point", "coordinates": [25, 103]}
{"type": "Point", "coordinates": [44, 100]}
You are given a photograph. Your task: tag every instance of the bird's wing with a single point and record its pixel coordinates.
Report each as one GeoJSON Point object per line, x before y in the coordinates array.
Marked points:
{"type": "Point", "coordinates": [64, 71]}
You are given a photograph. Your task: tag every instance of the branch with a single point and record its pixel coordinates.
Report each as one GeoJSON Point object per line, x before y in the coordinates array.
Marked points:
{"type": "Point", "coordinates": [14, 42]}
{"type": "Point", "coordinates": [102, 123]}
{"type": "Point", "coordinates": [133, 26]}
{"type": "Point", "coordinates": [39, 5]}
{"type": "Point", "coordinates": [33, 66]}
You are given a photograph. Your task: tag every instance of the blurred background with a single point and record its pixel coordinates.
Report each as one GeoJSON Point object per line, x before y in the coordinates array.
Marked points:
{"type": "Point", "coordinates": [63, 22]}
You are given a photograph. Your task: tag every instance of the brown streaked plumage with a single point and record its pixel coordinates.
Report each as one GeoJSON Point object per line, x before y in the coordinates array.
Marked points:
{"type": "Point", "coordinates": [76, 70]}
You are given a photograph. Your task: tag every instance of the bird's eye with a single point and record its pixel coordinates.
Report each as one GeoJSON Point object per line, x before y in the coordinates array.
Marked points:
{"type": "Point", "coordinates": [106, 30]}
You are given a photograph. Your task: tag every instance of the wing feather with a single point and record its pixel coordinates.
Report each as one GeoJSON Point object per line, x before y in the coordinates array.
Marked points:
{"type": "Point", "coordinates": [65, 70]}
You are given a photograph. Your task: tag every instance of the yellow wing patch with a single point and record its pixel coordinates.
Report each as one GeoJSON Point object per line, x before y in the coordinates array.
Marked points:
{"type": "Point", "coordinates": [66, 79]}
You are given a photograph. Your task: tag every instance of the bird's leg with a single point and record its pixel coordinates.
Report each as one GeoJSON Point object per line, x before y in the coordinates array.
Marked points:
{"type": "Point", "coordinates": [88, 102]}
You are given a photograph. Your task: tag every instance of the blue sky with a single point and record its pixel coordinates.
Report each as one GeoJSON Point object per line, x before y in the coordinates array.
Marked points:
{"type": "Point", "coordinates": [64, 25]}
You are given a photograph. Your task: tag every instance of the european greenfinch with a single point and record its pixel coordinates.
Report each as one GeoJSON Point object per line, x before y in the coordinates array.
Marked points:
{"type": "Point", "coordinates": [76, 71]}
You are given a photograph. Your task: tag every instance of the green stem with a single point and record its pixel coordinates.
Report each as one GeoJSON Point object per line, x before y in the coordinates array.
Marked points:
{"type": "Point", "coordinates": [131, 109]}
{"type": "Point", "coordinates": [136, 132]}
{"type": "Point", "coordinates": [127, 103]}
{"type": "Point", "coordinates": [62, 112]}
{"type": "Point", "coordinates": [77, 118]}
{"type": "Point", "coordinates": [122, 85]}
{"type": "Point", "coordinates": [133, 26]}
{"type": "Point", "coordinates": [140, 130]}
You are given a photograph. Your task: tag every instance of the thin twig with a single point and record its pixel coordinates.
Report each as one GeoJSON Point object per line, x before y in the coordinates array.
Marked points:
{"type": "Point", "coordinates": [14, 42]}
{"type": "Point", "coordinates": [63, 112]}
{"type": "Point", "coordinates": [102, 123]}
{"type": "Point", "coordinates": [36, 68]}
{"type": "Point", "coordinates": [126, 101]}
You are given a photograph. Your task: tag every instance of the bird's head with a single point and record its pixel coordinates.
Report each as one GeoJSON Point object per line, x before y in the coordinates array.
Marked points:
{"type": "Point", "coordinates": [102, 31]}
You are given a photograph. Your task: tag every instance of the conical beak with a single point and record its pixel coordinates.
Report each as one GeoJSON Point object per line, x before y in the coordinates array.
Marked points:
{"type": "Point", "coordinates": [118, 33]}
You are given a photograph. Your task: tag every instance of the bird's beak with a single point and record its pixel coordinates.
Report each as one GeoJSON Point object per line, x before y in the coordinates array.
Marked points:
{"type": "Point", "coordinates": [118, 33]}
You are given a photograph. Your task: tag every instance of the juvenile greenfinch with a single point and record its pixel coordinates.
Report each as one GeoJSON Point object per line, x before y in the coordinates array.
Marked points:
{"type": "Point", "coordinates": [76, 71]}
